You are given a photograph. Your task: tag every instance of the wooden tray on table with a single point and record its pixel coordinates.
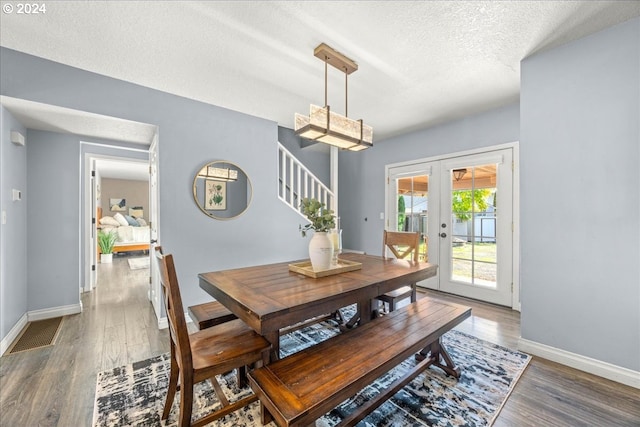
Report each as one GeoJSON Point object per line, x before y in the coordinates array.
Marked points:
{"type": "Point", "coordinates": [305, 268]}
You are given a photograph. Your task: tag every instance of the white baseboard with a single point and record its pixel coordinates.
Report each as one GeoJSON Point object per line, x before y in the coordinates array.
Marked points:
{"type": "Point", "coordinates": [48, 313]}
{"type": "Point", "coordinates": [352, 251]}
{"type": "Point", "coordinates": [593, 366]}
{"type": "Point", "coordinates": [163, 322]}
{"type": "Point", "coordinates": [13, 333]}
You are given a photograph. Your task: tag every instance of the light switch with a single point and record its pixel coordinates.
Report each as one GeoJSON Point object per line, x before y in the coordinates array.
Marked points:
{"type": "Point", "coordinates": [17, 194]}
{"type": "Point", "coordinates": [381, 215]}
{"type": "Point", "coordinates": [4, 217]}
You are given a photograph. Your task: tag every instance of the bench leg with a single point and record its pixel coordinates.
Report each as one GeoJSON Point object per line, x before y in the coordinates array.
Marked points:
{"type": "Point", "coordinates": [265, 415]}
{"type": "Point", "coordinates": [439, 354]}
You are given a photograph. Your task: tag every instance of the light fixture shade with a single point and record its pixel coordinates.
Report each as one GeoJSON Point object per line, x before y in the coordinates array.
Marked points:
{"type": "Point", "coordinates": [323, 125]}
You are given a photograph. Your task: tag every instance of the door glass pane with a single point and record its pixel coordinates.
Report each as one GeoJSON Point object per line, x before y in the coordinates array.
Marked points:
{"type": "Point", "coordinates": [412, 209]}
{"type": "Point", "coordinates": [473, 225]}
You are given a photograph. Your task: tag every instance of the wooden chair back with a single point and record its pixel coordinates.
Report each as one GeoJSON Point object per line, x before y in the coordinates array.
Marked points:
{"type": "Point", "coordinates": [401, 244]}
{"type": "Point", "coordinates": [175, 312]}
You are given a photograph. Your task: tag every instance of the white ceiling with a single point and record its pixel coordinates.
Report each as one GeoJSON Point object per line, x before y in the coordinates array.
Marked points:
{"type": "Point", "coordinates": [421, 62]}
{"type": "Point", "coordinates": [123, 169]}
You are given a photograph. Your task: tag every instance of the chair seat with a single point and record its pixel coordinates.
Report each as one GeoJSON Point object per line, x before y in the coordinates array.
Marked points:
{"type": "Point", "coordinates": [210, 314]}
{"type": "Point", "coordinates": [400, 293]}
{"type": "Point", "coordinates": [235, 344]}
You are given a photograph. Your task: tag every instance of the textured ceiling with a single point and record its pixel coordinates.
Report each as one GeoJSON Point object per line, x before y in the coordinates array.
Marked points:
{"type": "Point", "coordinates": [421, 62]}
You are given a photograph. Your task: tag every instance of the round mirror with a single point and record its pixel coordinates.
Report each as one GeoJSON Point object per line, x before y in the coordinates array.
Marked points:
{"type": "Point", "coordinates": [222, 190]}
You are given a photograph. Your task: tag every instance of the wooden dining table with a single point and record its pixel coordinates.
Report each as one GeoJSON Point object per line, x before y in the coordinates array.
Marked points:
{"type": "Point", "coordinates": [270, 298]}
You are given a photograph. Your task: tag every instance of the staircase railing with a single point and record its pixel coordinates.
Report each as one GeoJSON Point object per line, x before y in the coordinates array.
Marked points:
{"type": "Point", "coordinates": [296, 182]}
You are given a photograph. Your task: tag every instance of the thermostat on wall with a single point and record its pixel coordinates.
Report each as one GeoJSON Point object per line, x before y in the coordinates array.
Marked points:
{"type": "Point", "coordinates": [17, 194]}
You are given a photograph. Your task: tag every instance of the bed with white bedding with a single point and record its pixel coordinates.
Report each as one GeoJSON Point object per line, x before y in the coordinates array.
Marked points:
{"type": "Point", "coordinates": [134, 236]}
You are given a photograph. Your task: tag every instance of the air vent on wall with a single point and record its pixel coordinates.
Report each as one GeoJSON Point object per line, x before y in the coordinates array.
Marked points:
{"type": "Point", "coordinates": [17, 138]}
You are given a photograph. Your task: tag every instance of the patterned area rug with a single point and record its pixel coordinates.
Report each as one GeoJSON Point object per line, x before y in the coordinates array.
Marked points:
{"type": "Point", "coordinates": [138, 263]}
{"type": "Point", "coordinates": [133, 395]}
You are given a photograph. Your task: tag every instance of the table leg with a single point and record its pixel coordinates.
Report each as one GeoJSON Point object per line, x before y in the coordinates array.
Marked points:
{"type": "Point", "coordinates": [366, 311]}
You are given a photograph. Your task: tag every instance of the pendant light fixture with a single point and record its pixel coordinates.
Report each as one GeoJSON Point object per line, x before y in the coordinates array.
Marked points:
{"type": "Point", "coordinates": [459, 173]}
{"type": "Point", "coordinates": [322, 124]}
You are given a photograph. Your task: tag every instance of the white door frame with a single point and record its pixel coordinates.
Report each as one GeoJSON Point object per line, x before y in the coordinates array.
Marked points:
{"type": "Point", "coordinates": [407, 165]}
{"type": "Point", "coordinates": [154, 220]}
{"type": "Point", "coordinates": [90, 256]}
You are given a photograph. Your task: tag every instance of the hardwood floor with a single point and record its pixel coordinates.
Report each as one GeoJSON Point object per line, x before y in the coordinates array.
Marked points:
{"type": "Point", "coordinates": [549, 394]}
{"type": "Point", "coordinates": [55, 386]}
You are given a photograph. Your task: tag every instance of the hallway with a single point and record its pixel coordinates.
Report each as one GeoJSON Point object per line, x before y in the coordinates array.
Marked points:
{"type": "Point", "coordinates": [55, 386]}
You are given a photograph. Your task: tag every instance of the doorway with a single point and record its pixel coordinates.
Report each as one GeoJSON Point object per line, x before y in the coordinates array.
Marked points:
{"type": "Point", "coordinates": [463, 206]}
{"type": "Point", "coordinates": [107, 178]}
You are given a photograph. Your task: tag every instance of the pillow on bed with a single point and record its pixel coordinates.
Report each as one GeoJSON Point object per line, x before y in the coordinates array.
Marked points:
{"type": "Point", "coordinates": [109, 220]}
{"type": "Point", "coordinates": [141, 222]}
{"type": "Point", "coordinates": [131, 221]}
{"type": "Point", "coordinates": [121, 220]}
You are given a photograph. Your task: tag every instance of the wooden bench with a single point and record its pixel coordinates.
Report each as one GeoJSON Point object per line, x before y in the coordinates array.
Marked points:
{"type": "Point", "coordinates": [213, 313]}
{"type": "Point", "coordinates": [210, 314]}
{"type": "Point", "coordinates": [300, 388]}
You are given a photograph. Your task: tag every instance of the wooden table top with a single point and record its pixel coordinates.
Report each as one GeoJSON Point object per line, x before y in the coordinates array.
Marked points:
{"type": "Point", "coordinates": [270, 297]}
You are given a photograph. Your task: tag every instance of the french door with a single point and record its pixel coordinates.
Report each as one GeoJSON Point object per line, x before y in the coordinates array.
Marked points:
{"type": "Point", "coordinates": [463, 209]}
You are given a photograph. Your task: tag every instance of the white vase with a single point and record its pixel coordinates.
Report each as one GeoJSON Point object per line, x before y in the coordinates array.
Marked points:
{"type": "Point", "coordinates": [320, 251]}
{"type": "Point", "coordinates": [106, 258]}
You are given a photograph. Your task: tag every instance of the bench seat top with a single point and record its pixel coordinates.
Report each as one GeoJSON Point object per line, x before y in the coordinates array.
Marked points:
{"type": "Point", "coordinates": [302, 387]}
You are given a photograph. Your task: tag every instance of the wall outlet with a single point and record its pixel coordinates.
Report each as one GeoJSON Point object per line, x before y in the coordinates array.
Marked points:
{"type": "Point", "coordinates": [4, 217]}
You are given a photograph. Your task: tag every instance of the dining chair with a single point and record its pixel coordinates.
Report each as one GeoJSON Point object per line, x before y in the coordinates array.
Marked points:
{"type": "Point", "coordinates": [204, 354]}
{"type": "Point", "coordinates": [401, 244]}
{"type": "Point", "coordinates": [207, 314]}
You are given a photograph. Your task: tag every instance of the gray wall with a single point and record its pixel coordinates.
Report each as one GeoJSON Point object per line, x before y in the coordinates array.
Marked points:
{"type": "Point", "coordinates": [13, 234]}
{"type": "Point", "coordinates": [580, 108]}
{"type": "Point", "coordinates": [53, 233]}
{"type": "Point", "coordinates": [362, 180]}
{"type": "Point", "coordinates": [191, 133]}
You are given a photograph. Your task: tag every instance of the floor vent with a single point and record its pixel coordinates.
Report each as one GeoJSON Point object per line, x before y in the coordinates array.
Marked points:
{"type": "Point", "coordinates": [41, 333]}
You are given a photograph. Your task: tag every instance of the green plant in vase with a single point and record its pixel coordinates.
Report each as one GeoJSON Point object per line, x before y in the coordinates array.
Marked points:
{"type": "Point", "coordinates": [106, 242]}
{"type": "Point", "coordinates": [321, 220]}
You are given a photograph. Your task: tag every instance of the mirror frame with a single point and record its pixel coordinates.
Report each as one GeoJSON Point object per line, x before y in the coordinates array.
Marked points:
{"type": "Point", "coordinates": [195, 195]}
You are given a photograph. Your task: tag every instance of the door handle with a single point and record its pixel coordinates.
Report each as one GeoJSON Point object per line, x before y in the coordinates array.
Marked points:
{"type": "Point", "coordinates": [443, 235]}
{"type": "Point", "coordinates": [153, 241]}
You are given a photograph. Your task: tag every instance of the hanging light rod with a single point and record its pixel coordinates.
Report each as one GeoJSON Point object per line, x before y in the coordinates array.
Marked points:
{"type": "Point", "coordinates": [324, 125]}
